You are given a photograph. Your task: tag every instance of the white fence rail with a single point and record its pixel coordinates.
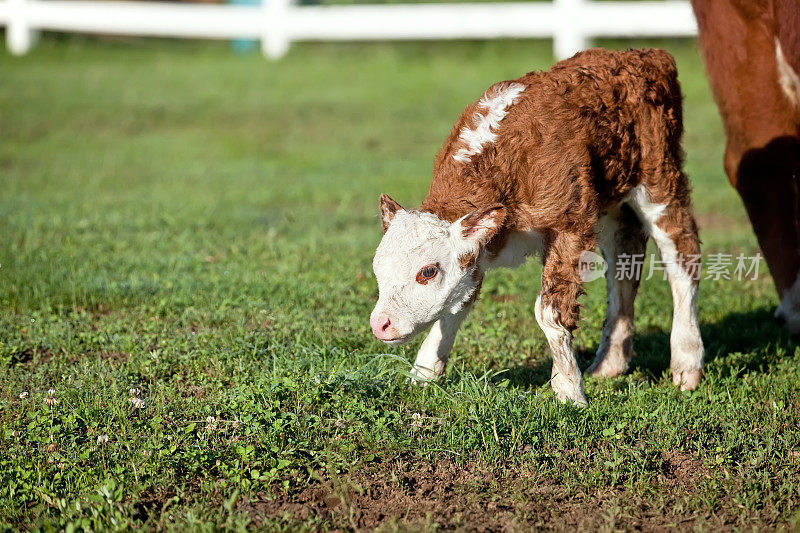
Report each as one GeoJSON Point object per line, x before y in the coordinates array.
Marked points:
{"type": "Point", "coordinates": [276, 23]}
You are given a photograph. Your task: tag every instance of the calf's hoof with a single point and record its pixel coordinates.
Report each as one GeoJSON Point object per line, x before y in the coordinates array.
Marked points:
{"type": "Point", "coordinates": [422, 377]}
{"type": "Point", "coordinates": [579, 401]}
{"type": "Point", "coordinates": [607, 367]}
{"type": "Point", "coordinates": [569, 389]}
{"type": "Point", "coordinates": [573, 396]}
{"type": "Point", "coordinates": [687, 379]}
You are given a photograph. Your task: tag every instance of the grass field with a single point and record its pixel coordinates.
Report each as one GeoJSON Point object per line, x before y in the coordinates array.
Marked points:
{"type": "Point", "coordinates": [199, 226]}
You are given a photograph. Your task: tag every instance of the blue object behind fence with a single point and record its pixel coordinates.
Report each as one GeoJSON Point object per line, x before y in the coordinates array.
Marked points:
{"type": "Point", "coordinates": [242, 46]}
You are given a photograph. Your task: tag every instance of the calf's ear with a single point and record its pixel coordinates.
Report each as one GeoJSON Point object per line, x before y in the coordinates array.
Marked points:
{"type": "Point", "coordinates": [389, 208]}
{"type": "Point", "coordinates": [480, 226]}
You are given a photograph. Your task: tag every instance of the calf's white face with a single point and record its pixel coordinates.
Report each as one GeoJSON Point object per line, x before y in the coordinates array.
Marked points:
{"type": "Point", "coordinates": [423, 269]}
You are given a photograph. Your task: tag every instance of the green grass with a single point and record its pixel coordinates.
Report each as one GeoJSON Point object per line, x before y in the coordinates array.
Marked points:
{"type": "Point", "coordinates": [200, 226]}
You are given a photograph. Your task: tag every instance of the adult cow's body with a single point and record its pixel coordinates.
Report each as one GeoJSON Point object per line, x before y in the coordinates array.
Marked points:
{"type": "Point", "coordinates": [752, 54]}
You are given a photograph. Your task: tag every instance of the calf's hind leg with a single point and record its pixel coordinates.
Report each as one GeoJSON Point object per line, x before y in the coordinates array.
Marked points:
{"type": "Point", "coordinates": [557, 313]}
{"type": "Point", "coordinates": [623, 242]}
{"type": "Point", "coordinates": [674, 231]}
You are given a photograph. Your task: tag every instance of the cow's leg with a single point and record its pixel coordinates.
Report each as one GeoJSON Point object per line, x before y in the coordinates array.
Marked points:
{"type": "Point", "coordinates": [557, 312]}
{"type": "Point", "coordinates": [768, 181]}
{"type": "Point", "coordinates": [431, 362]}
{"type": "Point", "coordinates": [620, 236]}
{"type": "Point", "coordinates": [674, 231]}
{"type": "Point", "coordinates": [755, 67]}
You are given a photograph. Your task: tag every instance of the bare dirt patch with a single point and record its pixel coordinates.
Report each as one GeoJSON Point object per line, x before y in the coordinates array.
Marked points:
{"type": "Point", "coordinates": [33, 356]}
{"type": "Point", "coordinates": [414, 495]}
{"type": "Point", "coordinates": [683, 467]}
{"type": "Point", "coordinates": [151, 503]}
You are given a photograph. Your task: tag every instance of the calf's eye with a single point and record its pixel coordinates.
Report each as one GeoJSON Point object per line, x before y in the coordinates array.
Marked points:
{"type": "Point", "coordinates": [427, 273]}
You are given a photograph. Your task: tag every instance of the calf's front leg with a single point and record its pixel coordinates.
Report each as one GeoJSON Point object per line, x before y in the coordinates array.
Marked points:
{"type": "Point", "coordinates": [557, 313]}
{"type": "Point", "coordinates": [566, 378]}
{"type": "Point", "coordinates": [432, 357]}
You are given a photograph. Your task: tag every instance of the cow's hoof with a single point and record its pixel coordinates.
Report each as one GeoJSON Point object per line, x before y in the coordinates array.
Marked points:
{"type": "Point", "coordinates": [576, 398]}
{"type": "Point", "coordinates": [607, 367]}
{"type": "Point", "coordinates": [786, 316]}
{"type": "Point", "coordinates": [583, 403]}
{"type": "Point", "coordinates": [421, 377]}
{"type": "Point", "coordinates": [418, 381]}
{"type": "Point", "coordinates": [687, 379]}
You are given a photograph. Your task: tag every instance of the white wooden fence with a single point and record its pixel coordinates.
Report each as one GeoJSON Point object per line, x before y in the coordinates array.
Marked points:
{"type": "Point", "coordinates": [276, 23]}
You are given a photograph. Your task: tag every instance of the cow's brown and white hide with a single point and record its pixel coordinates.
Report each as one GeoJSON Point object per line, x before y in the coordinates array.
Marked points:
{"type": "Point", "coordinates": [545, 164]}
{"type": "Point", "coordinates": [752, 54]}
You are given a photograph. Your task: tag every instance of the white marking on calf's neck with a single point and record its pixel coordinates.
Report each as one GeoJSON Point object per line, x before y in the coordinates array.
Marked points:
{"type": "Point", "coordinates": [519, 246]}
{"type": "Point", "coordinates": [787, 77]}
{"type": "Point", "coordinates": [497, 109]}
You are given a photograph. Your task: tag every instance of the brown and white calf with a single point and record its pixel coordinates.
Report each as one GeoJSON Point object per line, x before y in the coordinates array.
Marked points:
{"type": "Point", "coordinates": [550, 163]}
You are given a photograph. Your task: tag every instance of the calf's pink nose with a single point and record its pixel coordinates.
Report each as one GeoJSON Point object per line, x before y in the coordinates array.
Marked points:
{"type": "Point", "coordinates": [382, 327]}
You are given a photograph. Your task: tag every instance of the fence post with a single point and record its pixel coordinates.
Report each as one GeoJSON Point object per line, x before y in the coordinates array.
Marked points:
{"type": "Point", "coordinates": [20, 38]}
{"type": "Point", "coordinates": [569, 37]}
{"type": "Point", "coordinates": [275, 40]}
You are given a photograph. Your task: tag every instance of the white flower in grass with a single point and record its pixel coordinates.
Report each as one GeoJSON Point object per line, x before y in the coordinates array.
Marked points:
{"type": "Point", "coordinates": [211, 423]}
{"type": "Point", "coordinates": [102, 439]}
{"type": "Point", "coordinates": [23, 395]}
{"type": "Point", "coordinates": [134, 400]}
{"type": "Point", "coordinates": [137, 403]}
{"type": "Point", "coordinates": [50, 399]}
{"type": "Point", "coordinates": [416, 420]}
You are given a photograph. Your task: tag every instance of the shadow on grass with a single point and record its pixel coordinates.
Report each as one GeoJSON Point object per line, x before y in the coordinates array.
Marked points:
{"type": "Point", "coordinates": [753, 335]}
